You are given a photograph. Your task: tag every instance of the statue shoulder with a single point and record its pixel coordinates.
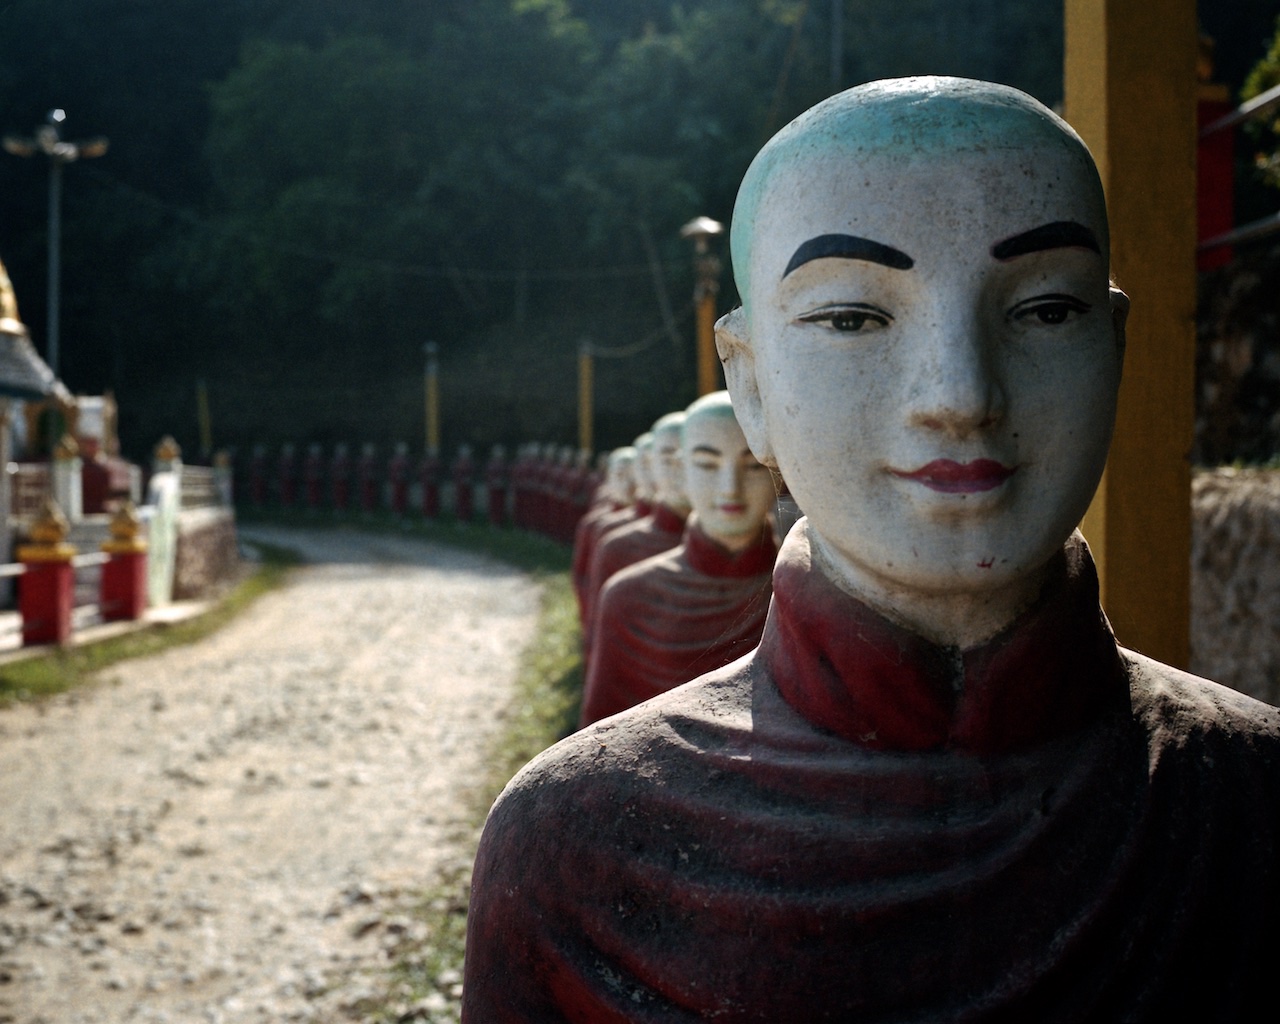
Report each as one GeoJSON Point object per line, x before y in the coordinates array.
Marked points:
{"type": "Point", "coordinates": [1182, 705]}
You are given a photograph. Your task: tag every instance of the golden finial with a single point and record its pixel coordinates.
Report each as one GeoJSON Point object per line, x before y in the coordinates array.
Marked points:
{"type": "Point", "coordinates": [47, 537]}
{"type": "Point", "coordinates": [125, 528]}
{"type": "Point", "coordinates": [66, 449]}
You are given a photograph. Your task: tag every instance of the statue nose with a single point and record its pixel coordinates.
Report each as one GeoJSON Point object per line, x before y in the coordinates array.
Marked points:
{"type": "Point", "coordinates": [955, 383]}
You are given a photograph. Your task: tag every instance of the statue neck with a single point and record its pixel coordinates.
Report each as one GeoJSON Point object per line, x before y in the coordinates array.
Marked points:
{"type": "Point", "coordinates": [959, 619]}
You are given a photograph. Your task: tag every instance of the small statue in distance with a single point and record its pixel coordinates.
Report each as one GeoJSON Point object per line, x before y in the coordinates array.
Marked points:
{"type": "Point", "coordinates": [674, 616]}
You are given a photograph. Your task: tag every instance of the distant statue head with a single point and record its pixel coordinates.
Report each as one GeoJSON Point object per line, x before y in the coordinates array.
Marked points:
{"type": "Point", "coordinates": [619, 481]}
{"type": "Point", "coordinates": [642, 468]}
{"type": "Point", "coordinates": [730, 491]}
{"type": "Point", "coordinates": [928, 348]}
{"type": "Point", "coordinates": [667, 462]}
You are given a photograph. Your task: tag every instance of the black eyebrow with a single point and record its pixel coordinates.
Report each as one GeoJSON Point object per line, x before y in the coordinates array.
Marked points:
{"type": "Point", "coordinates": [1061, 234]}
{"type": "Point", "coordinates": [849, 247]}
{"type": "Point", "coordinates": [709, 449]}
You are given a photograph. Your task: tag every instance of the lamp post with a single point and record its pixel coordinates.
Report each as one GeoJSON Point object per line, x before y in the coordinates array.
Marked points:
{"type": "Point", "coordinates": [48, 140]}
{"type": "Point", "coordinates": [706, 268]}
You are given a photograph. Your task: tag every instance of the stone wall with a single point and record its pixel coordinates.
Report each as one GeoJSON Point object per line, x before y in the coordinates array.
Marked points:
{"type": "Point", "coordinates": [207, 552]}
{"type": "Point", "coordinates": [1235, 580]}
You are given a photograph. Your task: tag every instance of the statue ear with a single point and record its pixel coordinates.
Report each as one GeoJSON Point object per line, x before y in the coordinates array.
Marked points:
{"type": "Point", "coordinates": [1119, 314]}
{"type": "Point", "coordinates": [739, 361]}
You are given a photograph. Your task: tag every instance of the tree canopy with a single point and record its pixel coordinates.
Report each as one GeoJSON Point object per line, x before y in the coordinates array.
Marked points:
{"type": "Point", "coordinates": [298, 194]}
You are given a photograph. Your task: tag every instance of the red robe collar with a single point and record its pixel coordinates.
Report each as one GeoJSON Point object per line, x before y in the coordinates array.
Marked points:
{"type": "Point", "coordinates": [711, 558]}
{"type": "Point", "coordinates": [850, 671]}
{"type": "Point", "coordinates": [668, 520]}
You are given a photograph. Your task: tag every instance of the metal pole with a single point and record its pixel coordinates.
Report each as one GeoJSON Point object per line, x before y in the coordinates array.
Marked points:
{"type": "Point", "coordinates": [55, 257]}
{"type": "Point", "coordinates": [586, 396]}
{"type": "Point", "coordinates": [432, 385]}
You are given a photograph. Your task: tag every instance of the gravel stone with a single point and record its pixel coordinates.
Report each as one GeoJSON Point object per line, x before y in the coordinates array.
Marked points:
{"type": "Point", "coordinates": [237, 831]}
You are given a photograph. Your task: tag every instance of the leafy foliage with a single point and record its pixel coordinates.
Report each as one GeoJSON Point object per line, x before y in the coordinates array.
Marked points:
{"type": "Point", "coordinates": [298, 195]}
{"type": "Point", "coordinates": [1266, 131]}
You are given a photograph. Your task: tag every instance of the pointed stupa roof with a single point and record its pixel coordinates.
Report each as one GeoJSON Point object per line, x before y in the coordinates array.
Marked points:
{"type": "Point", "coordinates": [23, 374]}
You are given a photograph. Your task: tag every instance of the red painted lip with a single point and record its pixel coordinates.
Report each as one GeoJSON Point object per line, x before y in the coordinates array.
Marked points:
{"type": "Point", "coordinates": [960, 477]}
{"type": "Point", "coordinates": [733, 508]}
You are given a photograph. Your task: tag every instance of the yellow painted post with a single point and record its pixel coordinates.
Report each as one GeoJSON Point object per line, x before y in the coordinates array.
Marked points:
{"type": "Point", "coordinates": [1130, 82]}
{"type": "Point", "coordinates": [586, 397]}
{"type": "Point", "coordinates": [432, 388]}
{"type": "Point", "coordinates": [708, 362]}
{"type": "Point", "coordinates": [706, 270]}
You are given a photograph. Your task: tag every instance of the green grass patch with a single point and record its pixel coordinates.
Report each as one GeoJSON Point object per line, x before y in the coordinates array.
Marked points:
{"type": "Point", "coordinates": [65, 668]}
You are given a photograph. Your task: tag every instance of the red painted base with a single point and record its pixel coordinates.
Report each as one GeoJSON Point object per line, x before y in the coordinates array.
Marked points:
{"type": "Point", "coordinates": [124, 587]}
{"type": "Point", "coordinates": [45, 595]}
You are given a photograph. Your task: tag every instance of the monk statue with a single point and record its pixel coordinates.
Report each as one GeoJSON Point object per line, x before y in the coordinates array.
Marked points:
{"type": "Point", "coordinates": [938, 790]}
{"type": "Point", "coordinates": [660, 470]}
{"type": "Point", "coordinates": [672, 617]}
{"type": "Point", "coordinates": [613, 505]}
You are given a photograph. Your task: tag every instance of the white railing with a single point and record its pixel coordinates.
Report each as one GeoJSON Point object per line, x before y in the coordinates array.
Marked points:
{"type": "Point", "coordinates": [202, 487]}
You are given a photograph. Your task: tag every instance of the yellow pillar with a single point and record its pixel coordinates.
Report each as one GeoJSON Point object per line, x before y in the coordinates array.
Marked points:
{"type": "Point", "coordinates": [586, 396]}
{"type": "Point", "coordinates": [1130, 86]}
{"type": "Point", "coordinates": [708, 362]}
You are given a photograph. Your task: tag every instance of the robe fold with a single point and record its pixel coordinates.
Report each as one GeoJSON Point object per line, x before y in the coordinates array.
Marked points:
{"type": "Point", "coordinates": [625, 544]}
{"type": "Point", "coordinates": [852, 824]}
{"type": "Point", "coordinates": [589, 530]}
{"type": "Point", "coordinates": [675, 616]}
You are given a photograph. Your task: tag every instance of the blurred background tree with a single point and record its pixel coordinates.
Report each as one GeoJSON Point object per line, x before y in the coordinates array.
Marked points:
{"type": "Point", "coordinates": [301, 193]}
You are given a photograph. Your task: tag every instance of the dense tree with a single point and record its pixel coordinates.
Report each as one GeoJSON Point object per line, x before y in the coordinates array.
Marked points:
{"type": "Point", "coordinates": [298, 194]}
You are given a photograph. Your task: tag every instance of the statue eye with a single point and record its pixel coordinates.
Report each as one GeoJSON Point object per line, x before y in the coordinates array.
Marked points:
{"type": "Point", "coordinates": [1049, 309]}
{"type": "Point", "coordinates": [850, 319]}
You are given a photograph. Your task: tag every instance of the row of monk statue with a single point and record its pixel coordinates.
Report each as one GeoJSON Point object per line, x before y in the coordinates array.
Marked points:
{"type": "Point", "coordinates": [546, 488]}
{"type": "Point", "coordinates": [672, 566]}
{"type": "Point", "coordinates": [937, 788]}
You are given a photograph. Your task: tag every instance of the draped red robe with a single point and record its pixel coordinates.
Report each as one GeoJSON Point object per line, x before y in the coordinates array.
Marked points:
{"type": "Point", "coordinates": [590, 529]}
{"type": "Point", "coordinates": [855, 825]}
{"type": "Point", "coordinates": [670, 618]}
{"type": "Point", "coordinates": [624, 545]}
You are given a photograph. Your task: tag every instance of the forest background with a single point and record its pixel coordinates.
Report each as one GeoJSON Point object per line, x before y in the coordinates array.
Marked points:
{"type": "Point", "coordinates": [299, 194]}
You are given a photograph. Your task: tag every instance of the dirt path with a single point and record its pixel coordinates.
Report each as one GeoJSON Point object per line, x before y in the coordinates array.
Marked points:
{"type": "Point", "coordinates": [215, 833]}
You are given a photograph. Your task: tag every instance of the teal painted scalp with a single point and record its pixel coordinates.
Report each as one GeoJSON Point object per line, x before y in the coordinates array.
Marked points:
{"type": "Point", "coordinates": [908, 119]}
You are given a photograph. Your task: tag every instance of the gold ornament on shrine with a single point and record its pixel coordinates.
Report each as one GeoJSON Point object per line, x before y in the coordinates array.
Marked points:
{"type": "Point", "coordinates": [47, 537]}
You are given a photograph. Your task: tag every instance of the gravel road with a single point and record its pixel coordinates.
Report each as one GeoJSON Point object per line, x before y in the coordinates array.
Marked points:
{"type": "Point", "coordinates": [226, 832]}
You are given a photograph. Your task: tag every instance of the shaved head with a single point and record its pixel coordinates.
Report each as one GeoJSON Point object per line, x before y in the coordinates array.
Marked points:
{"type": "Point", "coordinates": [906, 120]}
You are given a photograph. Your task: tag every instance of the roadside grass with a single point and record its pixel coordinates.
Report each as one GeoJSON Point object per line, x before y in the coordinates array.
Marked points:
{"type": "Point", "coordinates": [62, 669]}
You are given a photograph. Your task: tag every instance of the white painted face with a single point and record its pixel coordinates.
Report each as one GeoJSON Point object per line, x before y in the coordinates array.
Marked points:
{"type": "Point", "coordinates": [730, 491]}
{"type": "Point", "coordinates": [932, 357]}
{"type": "Point", "coordinates": [642, 468]}
{"type": "Point", "coordinates": [668, 467]}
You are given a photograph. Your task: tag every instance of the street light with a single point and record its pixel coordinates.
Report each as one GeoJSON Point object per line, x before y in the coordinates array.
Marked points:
{"type": "Point", "coordinates": [48, 140]}
{"type": "Point", "coordinates": [706, 267]}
